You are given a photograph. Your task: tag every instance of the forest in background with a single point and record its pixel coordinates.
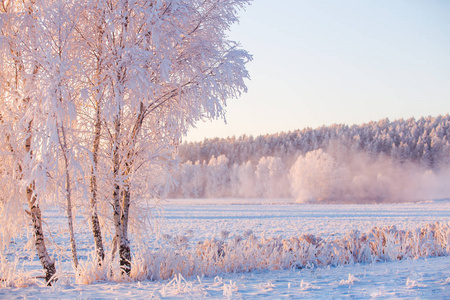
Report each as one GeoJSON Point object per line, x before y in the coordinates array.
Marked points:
{"type": "Point", "coordinates": [400, 160]}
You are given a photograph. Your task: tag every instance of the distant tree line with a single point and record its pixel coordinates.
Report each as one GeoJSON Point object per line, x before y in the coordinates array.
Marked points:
{"type": "Point", "coordinates": [261, 166]}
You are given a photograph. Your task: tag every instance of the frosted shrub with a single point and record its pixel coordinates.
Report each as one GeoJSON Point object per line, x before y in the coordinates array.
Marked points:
{"type": "Point", "coordinates": [90, 271]}
{"type": "Point", "coordinates": [11, 276]}
{"type": "Point", "coordinates": [248, 252]}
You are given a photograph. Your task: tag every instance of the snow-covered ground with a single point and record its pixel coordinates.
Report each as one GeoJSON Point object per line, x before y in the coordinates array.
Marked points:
{"type": "Point", "coordinates": [207, 218]}
{"type": "Point", "coordinates": [202, 219]}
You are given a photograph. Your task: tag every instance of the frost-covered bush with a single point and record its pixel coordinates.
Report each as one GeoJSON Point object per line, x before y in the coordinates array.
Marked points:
{"type": "Point", "coordinates": [12, 276]}
{"type": "Point", "coordinates": [247, 253]}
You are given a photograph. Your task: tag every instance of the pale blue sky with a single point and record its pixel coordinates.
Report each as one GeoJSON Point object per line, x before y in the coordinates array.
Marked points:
{"type": "Point", "coordinates": [324, 62]}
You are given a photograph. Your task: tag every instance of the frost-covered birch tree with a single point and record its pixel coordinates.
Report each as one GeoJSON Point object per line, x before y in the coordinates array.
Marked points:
{"type": "Point", "coordinates": [165, 66]}
{"type": "Point", "coordinates": [56, 40]}
{"type": "Point", "coordinates": [24, 179]}
{"type": "Point", "coordinates": [102, 92]}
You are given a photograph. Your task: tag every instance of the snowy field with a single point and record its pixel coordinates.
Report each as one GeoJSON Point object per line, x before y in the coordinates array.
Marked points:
{"type": "Point", "coordinates": [195, 221]}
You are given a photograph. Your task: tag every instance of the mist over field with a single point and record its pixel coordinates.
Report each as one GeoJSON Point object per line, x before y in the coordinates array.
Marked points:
{"type": "Point", "coordinates": [321, 176]}
{"type": "Point", "coordinates": [398, 161]}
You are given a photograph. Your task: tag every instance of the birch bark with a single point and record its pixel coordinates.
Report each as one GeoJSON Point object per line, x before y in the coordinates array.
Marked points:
{"type": "Point", "coordinates": [96, 230]}
{"type": "Point", "coordinates": [68, 192]}
{"type": "Point", "coordinates": [36, 218]}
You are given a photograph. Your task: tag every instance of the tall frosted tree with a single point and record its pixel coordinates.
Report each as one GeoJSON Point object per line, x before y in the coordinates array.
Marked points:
{"type": "Point", "coordinates": [54, 40]}
{"type": "Point", "coordinates": [22, 132]}
{"type": "Point", "coordinates": [166, 65]}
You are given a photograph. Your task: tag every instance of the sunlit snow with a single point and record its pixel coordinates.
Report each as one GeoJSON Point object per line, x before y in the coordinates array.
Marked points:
{"type": "Point", "coordinates": [189, 223]}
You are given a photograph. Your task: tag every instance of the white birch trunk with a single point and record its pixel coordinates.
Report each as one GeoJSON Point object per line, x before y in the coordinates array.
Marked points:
{"type": "Point", "coordinates": [63, 144]}
{"type": "Point", "coordinates": [96, 229]}
{"type": "Point", "coordinates": [70, 220]}
{"type": "Point", "coordinates": [119, 240]}
{"type": "Point", "coordinates": [124, 249]}
{"type": "Point", "coordinates": [93, 201]}
{"type": "Point", "coordinates": [36, 219]}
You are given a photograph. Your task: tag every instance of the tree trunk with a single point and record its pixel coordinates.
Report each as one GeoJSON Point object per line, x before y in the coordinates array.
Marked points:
{"type": "Point", "coordinates": [96, 229]}
{"type": "Point", "coordinates": [124, 243]}
{"type": "Point", "coordinates": [124, 249]}
{"type": "Point", "coordinates": [63, 145]}
{"type": "Point", "coordinates": [36, 218]}
{"type": "Point", "coordinates": [120, 240]}
{"type": "Point", "coordinates": [117, 215]}
{"type": "Point", "coordinates": [120, 212]}
{"type": "Point", "coordinates": [93, 201]}
{"type": "Point", "coordinates": [70, 220]}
